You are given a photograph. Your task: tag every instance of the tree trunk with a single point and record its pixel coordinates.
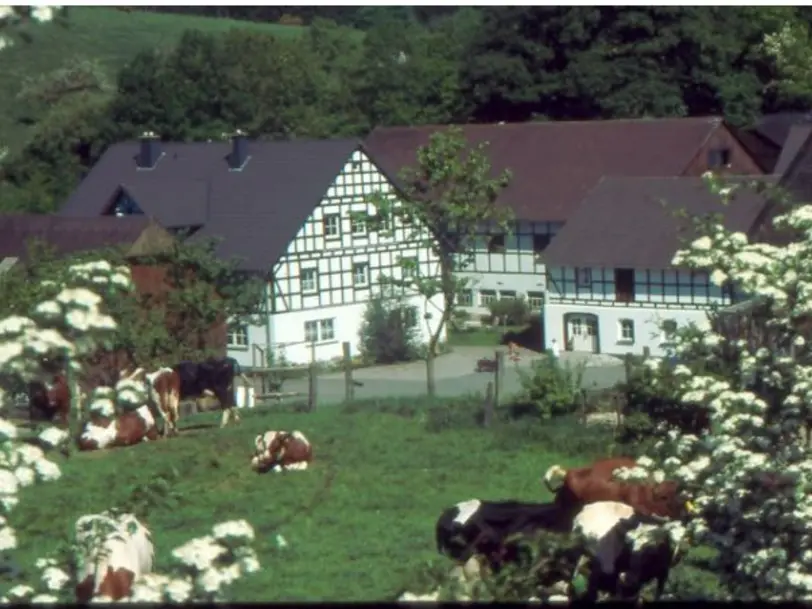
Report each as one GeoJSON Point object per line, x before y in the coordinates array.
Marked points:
{"type": "Point", "coordinates": [430, 384]}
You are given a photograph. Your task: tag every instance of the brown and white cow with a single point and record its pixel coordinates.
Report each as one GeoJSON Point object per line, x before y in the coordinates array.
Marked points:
{"type": "Point", "coordinates": [281, 451]}
{"type": "Point", "coordinates": [123, 430]}
{"type": "Point", "coordinates": [114, 552]}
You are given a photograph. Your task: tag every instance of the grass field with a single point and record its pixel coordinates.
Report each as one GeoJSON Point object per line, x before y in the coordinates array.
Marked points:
{"type": "Point", "coordinates": [368, 537]}
{"type": "Point", "coordinates": [110, 36]}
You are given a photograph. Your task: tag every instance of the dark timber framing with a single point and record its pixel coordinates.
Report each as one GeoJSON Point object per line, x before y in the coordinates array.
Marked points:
{"type": "Point", "coordinates": [688, 290]}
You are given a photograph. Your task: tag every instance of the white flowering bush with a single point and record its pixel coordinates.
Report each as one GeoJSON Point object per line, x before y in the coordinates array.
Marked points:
{"type": "Point", "coordinates": [68, 324]}
{"type": "Point", "coordinates": [750, 476]}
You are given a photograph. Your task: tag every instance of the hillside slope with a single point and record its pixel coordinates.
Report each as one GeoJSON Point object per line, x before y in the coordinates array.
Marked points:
{"type": "Point", "coordinates": [108, 35]}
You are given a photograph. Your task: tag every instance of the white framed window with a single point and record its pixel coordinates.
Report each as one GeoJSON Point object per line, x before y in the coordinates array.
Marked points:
{"type": "Point", "coordinates": [535, 300]}
{"type": "Point", "coordinates": [408, 267]}
{"type": "Point", "coordinates": [358, 224]}
{"type": "Point", "coordinates": [507, 294]}
{"type": "Point", "coordinates": [496, 244]}
{"type": "Point", "coordinates": [577, 326]}
{"type": "Point", "coordinates": [486, 297]}
{"type": "Point", "coordinates": [583, 277]}
{"type": "Point", "coordinates": [465, 298]}
{"type": "Point", "coordinates": [625, 330]}
{"type": "Point", "coordinates": [360, 274]}
{"type": "Point", "coordinates": [327, 329]}
{"type": "Point", "coordinates": [332, 226]}
{"type": "Point", "coordinates": [310, 280]}
{"type": "Point", "coordinates": [311, 331]}
{"type": "Point", "coordinates": [237, 335]}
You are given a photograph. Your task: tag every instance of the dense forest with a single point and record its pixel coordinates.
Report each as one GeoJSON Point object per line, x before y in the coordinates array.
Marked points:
{"type": "Point", "coordinates": [351, 69]}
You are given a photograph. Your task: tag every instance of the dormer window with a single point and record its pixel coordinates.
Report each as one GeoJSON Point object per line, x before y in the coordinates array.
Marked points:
{"type": "Point", "coordinates": [718, 157]}
{"type": "Point", "coordinates": [125, 206]}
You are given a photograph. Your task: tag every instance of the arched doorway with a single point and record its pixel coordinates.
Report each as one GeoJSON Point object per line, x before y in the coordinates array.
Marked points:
{"type": "Point", "coordinates": [581, 332]}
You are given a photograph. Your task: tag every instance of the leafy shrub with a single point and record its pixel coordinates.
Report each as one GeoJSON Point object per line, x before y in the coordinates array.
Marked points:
{"type": "Point", "coordinates": [552, 388]}
{"type": "Point", "coordinates": [287, 19]}
{"type": "Point", "coordinates": [651, 399]}
{"type": "Point", "coordinates": [509, 311]}
{"type": "Point", "coordinates": [564, 435]}
{"type": "Point", "coordinates": [459, 321]}
{"type": "Point", "coordinates": [389, 332]}
{"type": "Point", "coordinates": [457, 413]}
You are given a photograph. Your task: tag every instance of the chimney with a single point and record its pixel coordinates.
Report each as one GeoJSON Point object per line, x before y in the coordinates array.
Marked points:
{"type": "Point", "coordinates": [239, 151]}
{"type": "Point", "coordinates": [150, 151]}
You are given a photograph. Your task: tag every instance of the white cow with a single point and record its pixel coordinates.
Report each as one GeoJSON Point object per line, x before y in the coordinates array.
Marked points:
{"type": "Point", "coordinates": [114, 552]}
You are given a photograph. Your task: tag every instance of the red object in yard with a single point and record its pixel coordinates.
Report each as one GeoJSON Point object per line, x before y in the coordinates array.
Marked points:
{"type": "Point", "coordinates": [486, 365]}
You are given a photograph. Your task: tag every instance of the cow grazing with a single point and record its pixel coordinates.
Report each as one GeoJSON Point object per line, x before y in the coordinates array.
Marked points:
{"type": "Point", "coordinates": [50, 400]}
{"type": "Point", "coordinates": [488, 528]}
{"type": "Point", "coordinates": [586, 485]}
{"type": "Point", "coordinates": [123, 430]}
{"type": "Point", "coordinates": [281, 451]}
{"type": "Point", "coordinates": [114, 552]}
{"type": "Point", "coordinates": [618, 565]}
{"type": "Point", "coordinates": [214, 376]}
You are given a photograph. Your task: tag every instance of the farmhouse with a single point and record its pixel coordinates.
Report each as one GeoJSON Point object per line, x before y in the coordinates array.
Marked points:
{"type": "Point", "coordinates": [554, 166]}
{"type": "Point", "coordinates": [611, 285]}
{"type": "Point", "coordinates": [290, 212]}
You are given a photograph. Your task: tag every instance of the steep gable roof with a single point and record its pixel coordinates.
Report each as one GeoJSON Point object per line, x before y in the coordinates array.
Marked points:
{"type": "Point", "coordinates": [629, 222]}
{"type": "Point", "coordinates": [555, 164]}
{"type": "Point", "coordinates": [776, 127]}
{"type": "Point", "coordinates": [257, 210]}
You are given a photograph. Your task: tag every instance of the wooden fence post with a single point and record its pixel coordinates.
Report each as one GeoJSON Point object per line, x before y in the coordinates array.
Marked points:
{"type": "Point", "coordinates": [312, 380]}
{"type": "Point", "coordinates": [488, 412]}
{"type": "Point", "coordinates": [583, 407]}
{"type": "Point", "coordinates": [349, 387]}
{"type": "Point", "coordinates": [497, 377]}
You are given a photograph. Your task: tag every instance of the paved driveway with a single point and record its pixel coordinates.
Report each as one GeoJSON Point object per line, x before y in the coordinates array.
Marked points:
{"type": "Point", "coordinates": [454, 373]}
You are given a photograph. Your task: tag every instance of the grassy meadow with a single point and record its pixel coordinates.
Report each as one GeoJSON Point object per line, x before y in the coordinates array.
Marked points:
{"type": "Point", "coordinates": [359, 523]}
{"type": "Point", "coordinates": [109, 36]}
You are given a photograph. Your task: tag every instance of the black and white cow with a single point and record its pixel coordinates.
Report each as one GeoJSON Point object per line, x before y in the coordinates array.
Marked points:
{"type": "Point", "coordinates": [621, 564]}
{"type": "Point", "coordinates": [491, 529]}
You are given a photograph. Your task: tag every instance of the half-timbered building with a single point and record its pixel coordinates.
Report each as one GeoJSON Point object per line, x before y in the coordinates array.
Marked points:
{"type": "Point", "coordinates": [611, 284]}
{"type": "Point", "coordinates": [554, 165]}
{"type": "Point", "coordinates": [291, 212]}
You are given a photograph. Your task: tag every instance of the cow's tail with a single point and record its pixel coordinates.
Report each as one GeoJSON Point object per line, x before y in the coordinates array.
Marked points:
{"type": "Point", "coordinates": [554, 478]}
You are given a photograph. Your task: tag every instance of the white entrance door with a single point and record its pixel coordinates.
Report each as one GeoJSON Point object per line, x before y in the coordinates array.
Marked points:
{"type": "Point", "coordinates": [582, 333]}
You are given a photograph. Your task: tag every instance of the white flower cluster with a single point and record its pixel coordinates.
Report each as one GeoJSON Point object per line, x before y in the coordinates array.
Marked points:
{"type": "Point", "coordinates": [207, 565]}
{"type": "Point", "coordinates": [69, 324]}
{"type": "Point", "coordinates": [749, 476]}
{"type": "Point", "coordinates": [127, 395]}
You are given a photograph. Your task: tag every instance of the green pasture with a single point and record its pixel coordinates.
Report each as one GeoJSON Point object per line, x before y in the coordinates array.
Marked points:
{"type": "Point", "coordinates": [359, 523]}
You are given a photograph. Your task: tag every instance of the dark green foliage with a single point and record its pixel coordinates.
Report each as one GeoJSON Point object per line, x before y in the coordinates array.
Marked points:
{"type": "Point", "coordinates": [551, 388]}
{"type": "Point", "coordinates": [389, 333]}
{"type": "Point", "coordinates": [509, 311]}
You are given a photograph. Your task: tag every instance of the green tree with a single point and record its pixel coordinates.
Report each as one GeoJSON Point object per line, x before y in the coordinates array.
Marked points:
{"type": "Point", "coordinates": [616, 62]}
{"type": "Point", "coordinates": [389, 332]}
{"type": "Point", "coordinates": [450, 195]}
{"type": "Point", "coordinates": [408, 75]}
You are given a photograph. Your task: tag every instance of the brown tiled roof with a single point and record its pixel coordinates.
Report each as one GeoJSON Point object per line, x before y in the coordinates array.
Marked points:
{"type": "Point", "coordinates": [555, 164]}
{"type": "Point", "coordinates": [67, 235]}
{"type": "Point", "coordinates": [256, 211]}
{"type": "Point", "coordinates": [629, 222]}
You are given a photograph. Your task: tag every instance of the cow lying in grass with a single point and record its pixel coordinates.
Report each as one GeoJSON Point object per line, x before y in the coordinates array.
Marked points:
{"type": "Point", "coordinates": [114, 551]}
{"type": "Point", "coordinates": [125, 429]}
{"type": "Point", "coordinates": [281, 451]}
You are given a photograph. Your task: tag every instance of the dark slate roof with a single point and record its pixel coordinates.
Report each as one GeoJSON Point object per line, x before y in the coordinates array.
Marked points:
{"type": "Point", "coordinates": [256, 211]}
{"type": "Point", "coordinates": [796, 137]}
{"type": "Point", "coordinates": [776, 127]}
{"type": "Point", "coordinates": [555, 164]}
{"type": "Point", "coordinates": [622, 222]}
{"type": "Point", "coordinates": [67, 235]}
